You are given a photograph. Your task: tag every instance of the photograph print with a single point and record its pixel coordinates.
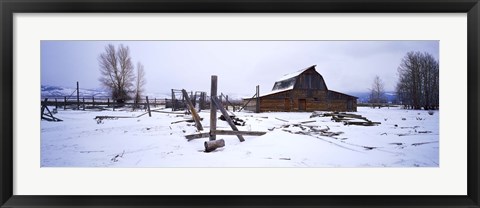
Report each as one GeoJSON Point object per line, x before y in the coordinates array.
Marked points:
{"type": "Point", "coordinates": [248, 104]}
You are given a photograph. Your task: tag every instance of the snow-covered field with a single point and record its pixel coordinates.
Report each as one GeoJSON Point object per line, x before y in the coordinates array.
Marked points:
{"type": "Point", "coordinates": [405, 138]}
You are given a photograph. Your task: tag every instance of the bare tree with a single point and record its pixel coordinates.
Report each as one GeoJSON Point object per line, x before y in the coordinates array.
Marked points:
{"type": "Point", "coordinates": [377, 93]}
{"type": "Point", "coordinates": [418, 84]}
{"type": "Point", "coordinates": [117, 72]}
{"type": "Point", "coordinates": [139, 84]}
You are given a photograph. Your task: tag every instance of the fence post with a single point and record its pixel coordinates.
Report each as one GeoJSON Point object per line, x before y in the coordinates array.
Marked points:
{"type": "Point", "coordinates": [213, 108]}
{"type": "Point", "coordinates": [148, 108]}
{"type": "Point", "coordinates": [56, 103]}
{"type": "Point", "coordinates": [108, 102]}
{"type": "Point", "coordinates": [93, 101]}
{"type": "Point", "coordinates": [257, 107]}
{"type": "Point", "coordinates": [83, 103]}
{"type": "Point", "coordinates": [78, 97]}
{"type": "Point", "coordinates": [65, 103]}
{"type": "Point", "coordinates": [173, 101]}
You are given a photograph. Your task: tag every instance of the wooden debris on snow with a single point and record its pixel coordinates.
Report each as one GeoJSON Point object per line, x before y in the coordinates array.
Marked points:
{"type": "Point", "coordinates": [235, 120]}
{"type": "Point", "coordinates": [346, 118]}
{"type": "Point", "coordinates": [308, 130]}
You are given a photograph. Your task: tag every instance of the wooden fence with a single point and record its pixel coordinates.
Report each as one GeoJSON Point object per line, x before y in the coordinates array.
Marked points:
{"type": "Point", "coordinates": [92, 102]}
{"type": "Point", "coordinates": [98, 102]}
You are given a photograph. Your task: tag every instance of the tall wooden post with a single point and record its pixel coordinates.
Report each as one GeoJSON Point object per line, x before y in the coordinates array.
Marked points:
{"type": "Point", "coordinates": [93, 101]}
{"type": "Point", "coordinates": [44, 105]}
{"type": "Point", "coordinates": [257, 107]}
{"type": "Point", "coordinates": [173, 101]}
{"type": "Point", "coordinates": [108, 102]}
{"type": "Point", "coordinates": [83, 103]}
{"type": "Point", "coordinates": [148, 108]}
{"type": "Point", "coordinates": [202, 100]}
{"type": "Point", "coordinates": [56, 103]}
{"type": "Point", "coordinates": [213, 108]}
{"type": "Point", "coordinates": [226, 102]}
{"type": "Point", "coordinates": [65, 103]}
{"type": "Point", "coordinates": [78, 97]}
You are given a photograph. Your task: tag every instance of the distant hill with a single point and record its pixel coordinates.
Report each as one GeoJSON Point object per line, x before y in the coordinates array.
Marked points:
{"type": "Point", "coordinates": [363, 97]}
{"type": "Point", "coordinates": [58, 91]}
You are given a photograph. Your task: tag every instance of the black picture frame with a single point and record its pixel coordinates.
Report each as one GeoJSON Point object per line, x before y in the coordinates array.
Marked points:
{"type": "Point", "coordinates": [9, 7]}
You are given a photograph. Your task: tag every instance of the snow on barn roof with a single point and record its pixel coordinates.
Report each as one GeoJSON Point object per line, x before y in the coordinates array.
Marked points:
{"type": "Point", "coordinates": [331, 91]}
{"type": "Point", "coordinates": [294, 74]}
{"type": "Point", "coordinates": [277, 91]}
{"type": "Point", "coordinates": [271, 92]}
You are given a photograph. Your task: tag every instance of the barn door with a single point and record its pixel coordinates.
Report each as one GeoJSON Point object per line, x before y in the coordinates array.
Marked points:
{"type": "Point", "coordinates": [302, 105]}
{"type": "Point", "coordinates": [350, 105]}
{"type": "Point", "coordinates": [287, 104]}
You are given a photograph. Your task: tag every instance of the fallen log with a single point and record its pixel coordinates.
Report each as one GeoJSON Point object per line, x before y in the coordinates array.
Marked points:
{"type": "Point", "coordinates": [223, 132]}
{"type": "Point", "coordinates": [187, 120]}
{"type": "Point", "coordinates": [197, 136]}
{"type": "Point", "coordinates": [247, 133]}
{"type": "Point", "coordinates": [168, 112]}
{"type": "Point", "coordinates": [282, 120]}
{"type": "Point", "coordinates": [213, 145]}
{"type": "Point", "coordinates": [304, 122]}
{"type": "Point", "coordinates": [361, 123]}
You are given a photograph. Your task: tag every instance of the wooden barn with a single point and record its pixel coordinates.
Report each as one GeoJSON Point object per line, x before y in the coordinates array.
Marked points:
{"type": "Point", "coordinates": [304, 90]}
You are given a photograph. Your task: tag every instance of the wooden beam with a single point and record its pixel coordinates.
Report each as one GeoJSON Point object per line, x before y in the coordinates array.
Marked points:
{"type": "Point", "coordinates": [245, 105]}
{"type": "Point", "coordinates": [227, 118]}
{"type": "Point", "coordinates": [223, 132]}
{"type": "Point", "coordinates": [213, 109]}
{"type": "Point", "coordinates": [197, 136]}
{"type": "Point", "coordinates": [195, 115]}
{"type": "Point", "coordinates": [247, 133]}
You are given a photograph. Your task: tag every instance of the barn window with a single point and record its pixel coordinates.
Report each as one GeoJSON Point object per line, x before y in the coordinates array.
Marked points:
{"type": "Point", "coordinates": [309, 81]}
{"type": "Point", "coordinates": [284, 84]}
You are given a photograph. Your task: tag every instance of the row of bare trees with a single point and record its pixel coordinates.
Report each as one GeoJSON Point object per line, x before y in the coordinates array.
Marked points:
{"type": "Point", "coordinates": [377, 93]}
{"type": "Point", "coordinates": [418, 85]}
{"type": "Point", "coordinates": [118, 74]}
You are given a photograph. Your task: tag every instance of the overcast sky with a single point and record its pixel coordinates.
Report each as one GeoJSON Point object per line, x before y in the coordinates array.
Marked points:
{"type": "Point", "coordinates": [347, 66]}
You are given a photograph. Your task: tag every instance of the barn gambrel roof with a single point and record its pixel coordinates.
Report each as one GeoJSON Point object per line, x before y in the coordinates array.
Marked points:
{"type": "Point", "coordinates": [288, 81]}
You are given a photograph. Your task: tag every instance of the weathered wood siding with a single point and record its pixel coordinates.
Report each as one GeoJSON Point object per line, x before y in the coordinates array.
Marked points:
{"type": "Point", "coordinates": [290, 101]}
{"type": "Point", "coordinates": [310, 79]}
